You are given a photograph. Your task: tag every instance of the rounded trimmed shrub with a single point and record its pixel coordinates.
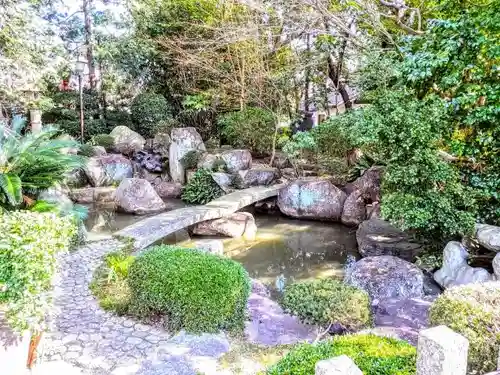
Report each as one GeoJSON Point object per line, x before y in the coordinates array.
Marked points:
{"type": "Point", "coordinates": [148, 110]}
{"type": "Point", "coordinates": [197, 291]}
{"type": "Point", "coordinates": [252, 128]}
{"type": "Point", "coordinates": [104, 140]}
{"type": "Point", "coordinates": [374, 355]}
{"type": "Point", "coordinates": [326, 301]}
{"type": "Point", "coordinates": [473, 311]}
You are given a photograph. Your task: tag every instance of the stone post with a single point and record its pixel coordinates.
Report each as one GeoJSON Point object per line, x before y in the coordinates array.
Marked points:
{"type": "Point", "coordinates": [441, 351]}
{"type": "Point", "coordinates": [36, 120]}
{"type": "Point", "coordinates": [342, 365]}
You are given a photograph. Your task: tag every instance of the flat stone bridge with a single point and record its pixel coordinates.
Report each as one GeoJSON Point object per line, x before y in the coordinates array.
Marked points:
{"type": "Point", "coordinates": [152, 229]}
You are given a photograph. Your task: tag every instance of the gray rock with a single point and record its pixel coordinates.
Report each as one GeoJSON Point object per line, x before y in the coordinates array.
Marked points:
{"type": "Point", "coordinates": [441, 351]}
{"type": "Point", "coordinates": [281, 161]}
{"type": "Point", "coordinates": [76, 178]}
{"type": "Point", "coordinates": [488, 236]}
{"type": "Point", "coordinates": [210, 246]}
{"type": "Point", "coordinates": [257, 176]}
{"type": "Point", "coordinates": [161, 143]}
{"type": "Point", "coordinates": [127, 141]}
{"type": "Point", "coordinates": [379, 237]}
{"type": "Point", "coordinates": [496, 268]}
{"type": "Point", "coordinates": [237, 160]}
{"type": "Point", "coordinates": [369, 183]}
{"type": "Point", "coordinates": [354, 212]}
{"type": "Point", "coordinates": [57, 195]}
{"type": "Point", "coordinates": [208, 161]}
{"type": "Point", "coordinates": [138, 196]}
{"type": "Point", "coordinates": [184, 140]}
{"type": "Point", "coordinates": [238, 224]}
{"type": "Point", "coordinates": [224, 180]}
{"type": "Point", "coordinates": [168, 190]}
{"type": "Point", "coordinates": [386, 276]}
{"type": "Point", "coordinates": [152, 177]}
{"type": "Point", "coordinates": [341, 365]}
{"type": "Point", "coordinates": [456, 271]}
{"type": "Point", "coordinates": [103, 194]}
{"type": "Point", "coordinates": [312, 199]}
{"type": "Point", "coordinates": [83, 195]}
{"type": "Point", "coordinates": [99, 151]}
{"type": "Point", "coordinates": [107, 170]}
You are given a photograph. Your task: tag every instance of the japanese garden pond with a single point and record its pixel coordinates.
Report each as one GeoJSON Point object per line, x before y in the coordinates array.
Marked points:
{"type": "Point", "coordinates": [283, 247]}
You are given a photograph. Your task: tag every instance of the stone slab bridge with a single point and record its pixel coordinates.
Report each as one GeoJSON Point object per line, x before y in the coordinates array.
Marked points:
{"type": "Point", "coordinates": [152, 229]}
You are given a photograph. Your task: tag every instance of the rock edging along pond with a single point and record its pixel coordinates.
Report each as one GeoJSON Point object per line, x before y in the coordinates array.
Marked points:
{"type": "Point", "coordinates": [155, 228]}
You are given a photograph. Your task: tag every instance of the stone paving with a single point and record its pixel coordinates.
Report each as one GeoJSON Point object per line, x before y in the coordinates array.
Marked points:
{"type": "Point", "coordinates": [94, 341]}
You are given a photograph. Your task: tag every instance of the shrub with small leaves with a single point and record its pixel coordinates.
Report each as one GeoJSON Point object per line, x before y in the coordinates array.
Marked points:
{"type": "Point", "coordinates": [197, 291]}
{"type": "Point", "coordinates": [148, 110]}
{"type": "Point", "coordinates": [190, 159]}
{"type": "Point", "coordinates": [104, 140]}
{"type": "Point", "coordinates": [474, 312]}
{"type": "Point", "coordinates": [374, 355]}
{"type": "Point", "coordinates": [201, 188]}
{"type": "Point", "coordinates": [326, 301]}
{"type": "Point", "coordinates": [30, 242]}
{"type": "Point", "coordinates": [86, 150]}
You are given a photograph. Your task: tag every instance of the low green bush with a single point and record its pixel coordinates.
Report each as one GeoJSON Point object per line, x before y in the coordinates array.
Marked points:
{"type": "Point", "coordinates": [201, 188]}
{"type": "Point", "coordinates": [473, 311]}
{"type": "Point", "coordinates": [104, 140]}
{"type": "Point", "coordinates": [86, 150]}
{"type": "Point", "coordinates": [251, 128]}
{"type": "Point", "coordinates": [148, 110]}
{"type": "Point", "coordinates": [327, 301]}
{"type": "Point", "coordinates": [190, 159]}
{"type": "Point", "coordinates": [29, 243]}
{"type": "Point", "coordinates": [197, 291]}
{"type": "Point", "coordinates": [374, 355]}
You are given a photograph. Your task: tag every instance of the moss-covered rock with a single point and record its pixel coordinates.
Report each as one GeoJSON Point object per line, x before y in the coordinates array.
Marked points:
{"type": "Point", "coordinates": [326, 301]}
{"type": "Point", "coordinates": [473, 311]}
{"type": "Point", "coordinates": [374, 355]}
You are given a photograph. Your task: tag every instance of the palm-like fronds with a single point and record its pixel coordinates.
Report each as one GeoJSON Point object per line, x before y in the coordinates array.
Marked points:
{"type": "Point", "coordinates": [32, 162]}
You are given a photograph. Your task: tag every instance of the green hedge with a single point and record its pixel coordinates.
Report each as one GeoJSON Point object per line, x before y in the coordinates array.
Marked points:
{"type": "Point", "coordinates": [374, 355]}
{"type": "Point", "coordinates": [29, 244]}
{"type": "Point", "coordinates": [474, 312]}
{"type": "Point", "coordinates": [326, 301]}
{"type": "Point", "coordinates": [197, 291]}
{"type": "Point", "coordinates": [252, 128]}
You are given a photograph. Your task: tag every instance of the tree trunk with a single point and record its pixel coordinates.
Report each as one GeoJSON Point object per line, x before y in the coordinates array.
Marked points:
{"type": "Point", "coordinates": [334, 74]}
{"type": "Point", "coordinates": [307, 74]}
{"type": "Point", "coordinates": [87, 13]}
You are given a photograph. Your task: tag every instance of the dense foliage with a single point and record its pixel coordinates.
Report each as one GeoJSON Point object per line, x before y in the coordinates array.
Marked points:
{"type": "Point", "coordinates": [326, 302]}
{"type": "Point", "coordinates": [374, 355]}
{"type": "Point", "coordinates": [31, 162]}
{"type": "Point", "coordinates": [458, 59]}
{"type": "Point", "coordinates": [30, 243]}
{"type": "Point", "coordinates": [250, 128]}
{"type": "Point", "coordinates": [198, 291]}
{"type": "Point", "coordinates": [148, 111]}
{"type": "Point", "coordinates": [201, 188]}
{"type": "Point", "coordinates": [104, 140]}
{"type": "Point", "coordinates": [474, 312]}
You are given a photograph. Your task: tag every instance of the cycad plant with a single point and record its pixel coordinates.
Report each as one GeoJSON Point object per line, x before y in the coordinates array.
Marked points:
{"type": "Point", "coordinates": [31, 162]}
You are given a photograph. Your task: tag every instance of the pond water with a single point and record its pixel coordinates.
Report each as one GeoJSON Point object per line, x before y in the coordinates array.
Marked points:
{"type": "Point", "coordinates": [283, 248]}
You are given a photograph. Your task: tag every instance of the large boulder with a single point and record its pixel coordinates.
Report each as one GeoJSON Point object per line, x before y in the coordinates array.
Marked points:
{"type": "Point", "coordinates": [107, 170]}
{"type": "Point", "coordinates": [168, 190]}
{"type": "Point", "coordinates": [379, 237]}
{"type": "Point", "coordinates": [224, 180]}
{"type": "Point", "coordinates": [76, 178]}
{"type": "Point", "coordinates": [237, 160]}
{"type": "Point", "coordinates": [354, 212]}
{"type": "Point", "coordinates": [312, 199]}
{"type": "Point", "coordinates": [208, 161]}
{"type": "Point", "coordinates": [138, 197]}
{"type": "Point", "coordinates": [488, 236]}
{"type": "Point", "coordinates": [456, 271]}
{"type": "Point", "coordinates": [161, 144]}
{"type": "Point", "coordinates": [257, 176]}
{"type": "Point", "coordinates": [126, 140]}
{"type": "Point", "coordinates": [369, 183]}
{"type": "Point", "coordinates": [184, 140]}
{"type": "Point", "coordinates": [385, 277]}
{"type": "Point", "coordinates": [496, 266]}
{"type": "Point", "coordinates": [239, 224]}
